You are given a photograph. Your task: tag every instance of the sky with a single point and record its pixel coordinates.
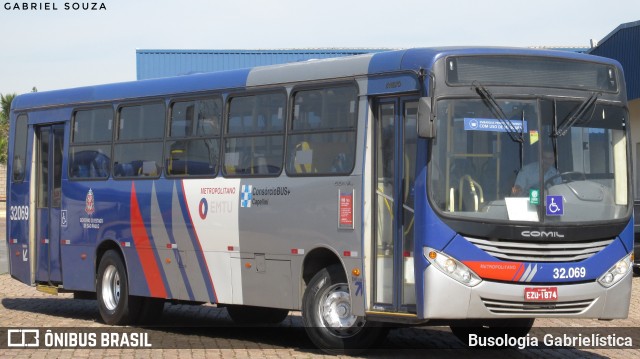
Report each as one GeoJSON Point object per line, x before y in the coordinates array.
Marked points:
{"type": "Point", "coordinates": [55, 49]}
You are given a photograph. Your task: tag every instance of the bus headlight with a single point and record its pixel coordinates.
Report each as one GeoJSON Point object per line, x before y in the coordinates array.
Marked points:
{"type": "Point", "coordinates": [617, 272]}
{"type": "Point", "coordinates": [451, 267]}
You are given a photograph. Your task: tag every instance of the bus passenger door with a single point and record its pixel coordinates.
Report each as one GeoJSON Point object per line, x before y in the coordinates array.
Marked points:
{"type": "Point", "coordinates": [394, 163]}
{"type": "Point", "coordinates": [49, 147]}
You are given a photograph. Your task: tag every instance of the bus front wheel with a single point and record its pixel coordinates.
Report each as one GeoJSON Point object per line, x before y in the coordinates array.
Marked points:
{"type": "Point", "coordinates": [116, 306]}
{"type": "Point", "coordinates": [328, 319]}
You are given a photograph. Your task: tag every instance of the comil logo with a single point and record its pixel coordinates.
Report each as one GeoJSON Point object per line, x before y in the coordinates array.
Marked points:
{"type": "Point", "coordinates": [23, 338]}
{"type": "Point", "coordinates": [542, 234]}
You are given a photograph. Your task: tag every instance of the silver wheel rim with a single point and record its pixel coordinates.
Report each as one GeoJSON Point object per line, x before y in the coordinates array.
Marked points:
{"type": "Point", "coordinates": [111, 287]}
{"type": "Point", "coordinates": [334, 311]}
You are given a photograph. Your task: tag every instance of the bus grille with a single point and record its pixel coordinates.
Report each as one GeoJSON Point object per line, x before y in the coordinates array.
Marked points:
{"type": "Point", "coordinates": [540, 252]}
{"type": "Point", "coordinates": [507, 307]}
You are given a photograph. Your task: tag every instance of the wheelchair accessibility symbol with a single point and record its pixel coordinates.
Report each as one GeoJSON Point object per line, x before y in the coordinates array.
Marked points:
{"type": "Point", "coordinates": [555, 206]}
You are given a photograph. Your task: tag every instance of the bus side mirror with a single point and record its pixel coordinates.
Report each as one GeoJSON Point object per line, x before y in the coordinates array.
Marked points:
{"type": "Point", "coordinates": [426, 124]}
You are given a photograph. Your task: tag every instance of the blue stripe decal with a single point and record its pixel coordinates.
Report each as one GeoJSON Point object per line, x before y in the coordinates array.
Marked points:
{"type": "Point", "coordinates": [200, 255]}
{"type": "Point", "coordinates": [164, 196]}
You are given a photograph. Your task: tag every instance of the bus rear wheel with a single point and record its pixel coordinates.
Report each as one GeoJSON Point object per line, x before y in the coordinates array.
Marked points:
{"type": "Point", "coordinates": [115, 304]}
{"type": "Point", "coordinates": [328, 319]}
{"type": "Point", "coordinates": [516, 327]}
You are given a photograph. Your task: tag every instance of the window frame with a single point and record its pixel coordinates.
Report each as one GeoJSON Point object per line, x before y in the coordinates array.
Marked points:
{"type": "Point", "coordinates": [73, 143]}
{"type": "Point", "coordinates": [117, 141]}
{"type": "Point", "coordinates": [345, 130]}
{"type": "Point", "coordinates": [226, 135]}
{"type": "Point", "coordinates": [24, 150]}
{"type": "Point", "coordinates": [219, 136]}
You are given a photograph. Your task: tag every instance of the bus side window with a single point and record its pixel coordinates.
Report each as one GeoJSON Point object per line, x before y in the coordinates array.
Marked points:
{"type": "Point", "coordinates": [90, 149]}
{"type": "Point", "coordinates": [192, 146]}
{"type": "Point", "coordinates": [254, 137]}
{"type": "Point", "coordinates": [139, 146]}
{"type": "Point", "coordinates": [87, 162]}
{"type": "Point", "coordinates": [323, 131]}
{"type": "Point", "coordinates": [19, 149]}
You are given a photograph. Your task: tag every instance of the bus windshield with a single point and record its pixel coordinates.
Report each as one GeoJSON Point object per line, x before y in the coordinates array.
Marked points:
{"type": "Point", "coordinates": [538, 160]}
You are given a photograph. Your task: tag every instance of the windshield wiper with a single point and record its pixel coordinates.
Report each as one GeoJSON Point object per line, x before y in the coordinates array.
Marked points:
{"type": "Point", "coordinates": [490, 101]}
{"type": "Point", "coordinates": [576, 115]}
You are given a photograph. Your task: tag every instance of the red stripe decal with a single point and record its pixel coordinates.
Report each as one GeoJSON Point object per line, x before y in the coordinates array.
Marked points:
{"type": "Point", "coordinates": [145, 252]}
{"type": "Point", "coordinates": [505, 271]}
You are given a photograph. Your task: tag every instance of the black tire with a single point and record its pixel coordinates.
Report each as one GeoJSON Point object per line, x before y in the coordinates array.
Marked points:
{"type": "Point", "coordinates": [244, 314]}
{"type": "Point", "coordinates": [151, 310]}
{"type": "Point", "coordinates": [517, 328]}
{"type": "Point", "coordinates": [116, 306]}
{"type": "Point", "coordinates": [336, 331]}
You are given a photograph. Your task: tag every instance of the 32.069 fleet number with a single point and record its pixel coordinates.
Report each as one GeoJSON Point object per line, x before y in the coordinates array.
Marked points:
{"type": "Point", "coordinates": [569, 273]}
{"type": "Point", "coordinates": [19, 213]}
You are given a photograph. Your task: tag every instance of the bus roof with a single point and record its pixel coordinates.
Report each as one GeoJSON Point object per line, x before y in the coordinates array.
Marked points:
{"type": "Point", "coordinates": [334, 68]}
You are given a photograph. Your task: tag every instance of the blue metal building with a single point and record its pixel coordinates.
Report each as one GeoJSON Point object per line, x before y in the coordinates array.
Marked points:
{"type": "Point", "coordinates": [152, 64]}
{"type": "Point", "coordinates": [164, 63]}
{"type": "Point", "coordinates": [623, 44]}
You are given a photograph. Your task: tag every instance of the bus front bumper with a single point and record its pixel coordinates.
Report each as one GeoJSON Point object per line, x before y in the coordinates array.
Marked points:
{"type": "Point", "coordinates": [445, 298]}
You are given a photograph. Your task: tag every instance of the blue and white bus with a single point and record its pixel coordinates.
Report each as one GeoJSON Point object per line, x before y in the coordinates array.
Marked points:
{"type": "Point", "coordinates": [483, 187]}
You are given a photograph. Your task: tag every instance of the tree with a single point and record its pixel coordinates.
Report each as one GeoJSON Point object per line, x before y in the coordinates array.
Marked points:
{"type": "Point", "coordinates": [5, 102]}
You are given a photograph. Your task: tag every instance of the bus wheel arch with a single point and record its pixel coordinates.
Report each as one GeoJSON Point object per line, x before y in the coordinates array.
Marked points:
{"type": "Point", "coordinates": [101, 249]}
{"type": "Point", "coordinates": [326, 308]}
{"type": "Point", "coordinates": [316, 260]}
{"type": "Point", "coordinates": [115, 304]}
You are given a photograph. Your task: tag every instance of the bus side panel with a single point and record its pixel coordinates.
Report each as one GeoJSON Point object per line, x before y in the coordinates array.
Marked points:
{"type": "Point", "coordinates": [167, 249]}
{"type": "Point", "coordinates": [19, 252]}
{"type": "Point", "coordinates": [95, 211]}
{"type": "Point", "coordinates": [19, 214]}
{"type": "Point", "coordinates": [178, 244]}
{"type": "Point", "coordinates": [139, 214]}
{"type": "Point", "coordinates": [309, 207]}
{"type": "Point", "coordinates": [43, 245]}
{"type": "Point", "coordinates": [210, 209]}
{"type": "Point", "coordinates": [152, 224]}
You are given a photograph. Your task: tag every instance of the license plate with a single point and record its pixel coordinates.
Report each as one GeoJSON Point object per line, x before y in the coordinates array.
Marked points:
{"type": "Point", "coordinates": [541, 294]}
